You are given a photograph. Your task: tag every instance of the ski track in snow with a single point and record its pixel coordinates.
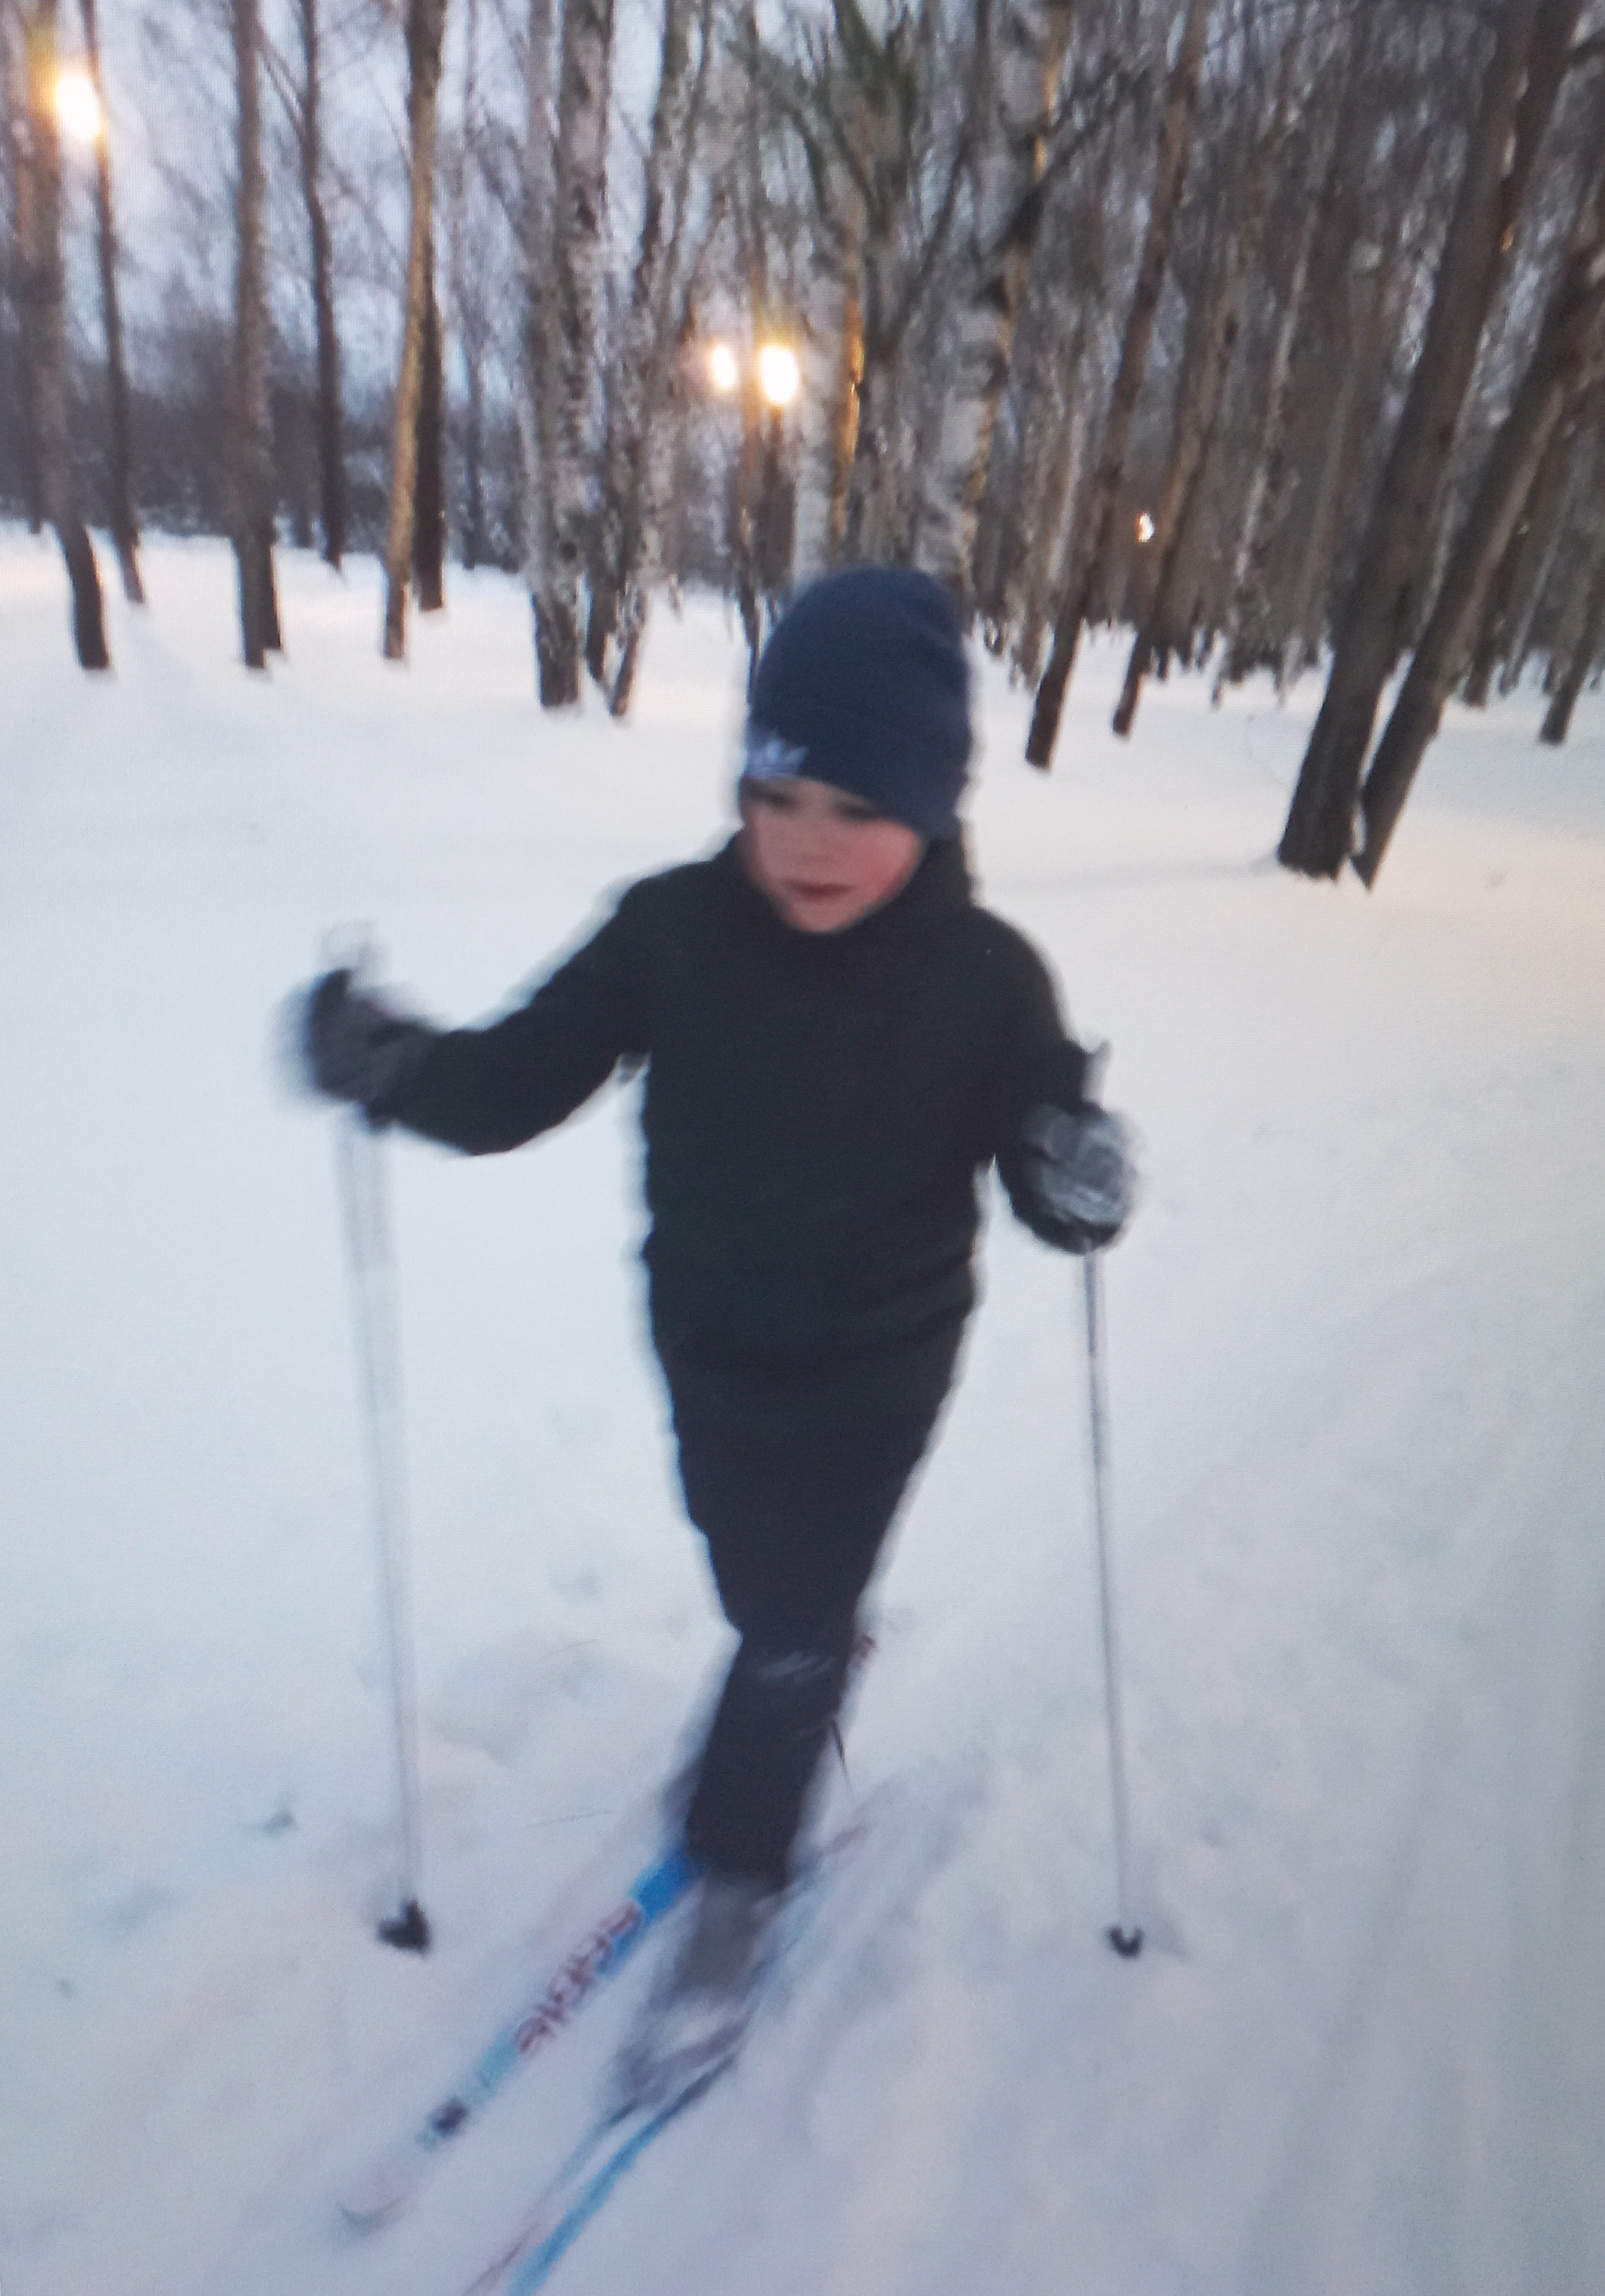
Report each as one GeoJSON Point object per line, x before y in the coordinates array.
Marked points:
{"type": "Point", "coordinates": [1357, 1358]}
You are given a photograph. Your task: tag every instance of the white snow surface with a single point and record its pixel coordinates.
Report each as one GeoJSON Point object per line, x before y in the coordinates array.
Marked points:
{"type": "Point", "coordinates": [1356, 1355]}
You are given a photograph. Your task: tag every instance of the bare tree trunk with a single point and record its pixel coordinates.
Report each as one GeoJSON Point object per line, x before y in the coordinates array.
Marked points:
{"type": "Point", "coordinates": [832, 370]}
{"type": "Point", "coordinates": [475, 540]}
{"type": "Point", "coordinates": [1249, 618]}
{"type": "Point", "coordinates": [124, 519]}
{"type": "Point", "coordinates": [1372, 284]}
{"type": "Point", "coordinates": [749, 206]}
{"type": "Point", "coordinates": [1582, 655]}
{"type": "Point", "coordinates": [1205, 379]}
{"type": "Point", "coordinates": [467, 297]}
{"type": "Point", "coordinates": [662, 516]}
{"type": "Point", "coordinates": [867, 137]}
{"type": "Point", "coordinates": [1051, 448]}
{"type": "Point", "coordinates": [1519, 93]}
{"type": "Point", "coordinates": [643, 405]}
{"type": "Point", "coordinates": [47, 291]}
{"type": "Point", "coordinates": [253, 453]}
{"type": "Point", "coordinates": [1055, 441]}
{"type": "Point", "coordinates": [1030, 40]}
{"type": "Point", "coordinates": [537, 381]}
{"type": "Point", "coordinates": [871, 375]}
{"type": "Point", "coordinates": [1248, 613]}
{"type": "Point", "coordinates": [886, 51]}
{"type": "Point", "coordinates": [17, 161]}
{"type": "Point", "coordinates": [429, 487]}
{"type": "Point", "coordinates": [426, 40]}
{"type": "Point", "coordinates": [1202, 394]}
{"type": "Point", "coordinates": [664, 529]}
{"type": "Point", "coordinates": [1527, 557]}
{"type": "Point", "coordinates": [575, 263]}
{"type": "Point", "coordinates": [1488, 646]}
{"type": "Point", "coordinates": [1090, 571]}
{"type": "Point", "coordinates": [742, 529]}
{"type": "Point", "coordinates": [1585, 453]}
{"type": "Point", "coordinates": [1560, 369]}
{"type": "Point", "coordinates": [331, 416]}
{"type": "Point", "coordinates": [1044, 569]}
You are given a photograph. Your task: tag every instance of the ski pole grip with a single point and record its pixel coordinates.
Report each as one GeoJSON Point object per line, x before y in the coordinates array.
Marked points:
{"type": "Point", "coordinates": [352, 948]}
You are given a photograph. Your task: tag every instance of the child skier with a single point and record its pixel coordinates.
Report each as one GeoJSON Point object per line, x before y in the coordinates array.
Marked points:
{"type": "Point", "coordinates": [837, 1041]}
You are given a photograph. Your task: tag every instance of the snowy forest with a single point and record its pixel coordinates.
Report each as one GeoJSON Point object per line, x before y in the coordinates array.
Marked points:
{"type": "Point", "coordinates": [416, 419]}
{"type": "Point", "coordinates": [1267, 331]}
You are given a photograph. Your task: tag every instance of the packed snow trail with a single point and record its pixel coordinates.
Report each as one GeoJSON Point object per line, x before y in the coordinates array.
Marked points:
{"type": "Point", "coordinates": [1355, 1358]}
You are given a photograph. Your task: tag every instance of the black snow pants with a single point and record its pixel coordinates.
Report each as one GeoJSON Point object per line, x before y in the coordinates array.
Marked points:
{"type": "Point", "coordinates": [794, 1528]}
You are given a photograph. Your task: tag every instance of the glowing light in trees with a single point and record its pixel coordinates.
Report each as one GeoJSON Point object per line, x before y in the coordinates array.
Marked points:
{"type": "Point", "coordinates": [78, 106]}
{"type": "Point", "coordinates": [778, 373]}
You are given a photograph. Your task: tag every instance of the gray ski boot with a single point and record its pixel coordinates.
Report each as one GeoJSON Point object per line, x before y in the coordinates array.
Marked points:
{"type": "Point", "coordinates": [698, 2012]}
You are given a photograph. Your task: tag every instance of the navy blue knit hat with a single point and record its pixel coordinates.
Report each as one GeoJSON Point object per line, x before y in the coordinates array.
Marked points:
{"type": "Point", "coordinates": [865, 684]}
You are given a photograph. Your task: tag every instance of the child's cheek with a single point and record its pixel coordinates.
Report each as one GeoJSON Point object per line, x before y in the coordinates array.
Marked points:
{"type": "Point", "coordinates": [888, 861]}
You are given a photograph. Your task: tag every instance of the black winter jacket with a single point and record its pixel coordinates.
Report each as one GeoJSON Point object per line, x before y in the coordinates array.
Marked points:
{"type": "Point", "coordinates": [818, 1109]}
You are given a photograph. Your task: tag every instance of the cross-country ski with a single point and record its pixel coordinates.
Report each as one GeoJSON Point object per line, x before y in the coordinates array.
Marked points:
{"type": "Point", "coordinates": [598, 1955]}
{"type": "Point", "coordinates": [608, 2155]}
{"type": "Point", "coordinates": [855, 1887]}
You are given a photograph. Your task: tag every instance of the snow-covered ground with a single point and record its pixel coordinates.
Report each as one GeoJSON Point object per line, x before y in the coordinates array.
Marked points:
{"type": "Point", "coordinates": [1357, 1357]}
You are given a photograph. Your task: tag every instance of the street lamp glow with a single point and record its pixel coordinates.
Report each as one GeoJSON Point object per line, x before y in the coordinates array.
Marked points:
{"type": "Point", "coordinates": [778, 373]}
{"type": "Point", "coordinates": [78, 106]}
{"type": "Point", "coordinates": [723, 371]}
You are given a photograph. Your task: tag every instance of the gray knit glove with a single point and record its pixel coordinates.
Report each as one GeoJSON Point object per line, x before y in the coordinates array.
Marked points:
{"type": "Point", "coordinates": [1074, 1176]}
{"type": "Point", "coordinates": [355, 1047]}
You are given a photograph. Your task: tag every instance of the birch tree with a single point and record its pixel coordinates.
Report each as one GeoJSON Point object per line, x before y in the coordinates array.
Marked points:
{"type": "Point", "coordinates": [641, 405]}
{"type": "Point", "coordinates": [1022, 57]}
{"type": "Point", "coordinates": [868, 109]}
{"type": "Point", "coordinates": [420, 349]}
{"type": "Point", "coordinates": [563, 344]}
{"type": "Point", "coordinates": [832, 349]}
{"type": "Point", "coordinates": [832, 358]}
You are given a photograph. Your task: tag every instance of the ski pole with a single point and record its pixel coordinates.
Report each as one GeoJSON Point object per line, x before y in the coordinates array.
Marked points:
{"type": "Point", "coordinates": [1125, 1936]}
{"type": "Point", "coordinates": [361, 1179]}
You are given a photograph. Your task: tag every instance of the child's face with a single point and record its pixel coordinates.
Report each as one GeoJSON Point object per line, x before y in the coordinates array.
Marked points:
{"type": "Point", "coordinates": [822, 856]}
